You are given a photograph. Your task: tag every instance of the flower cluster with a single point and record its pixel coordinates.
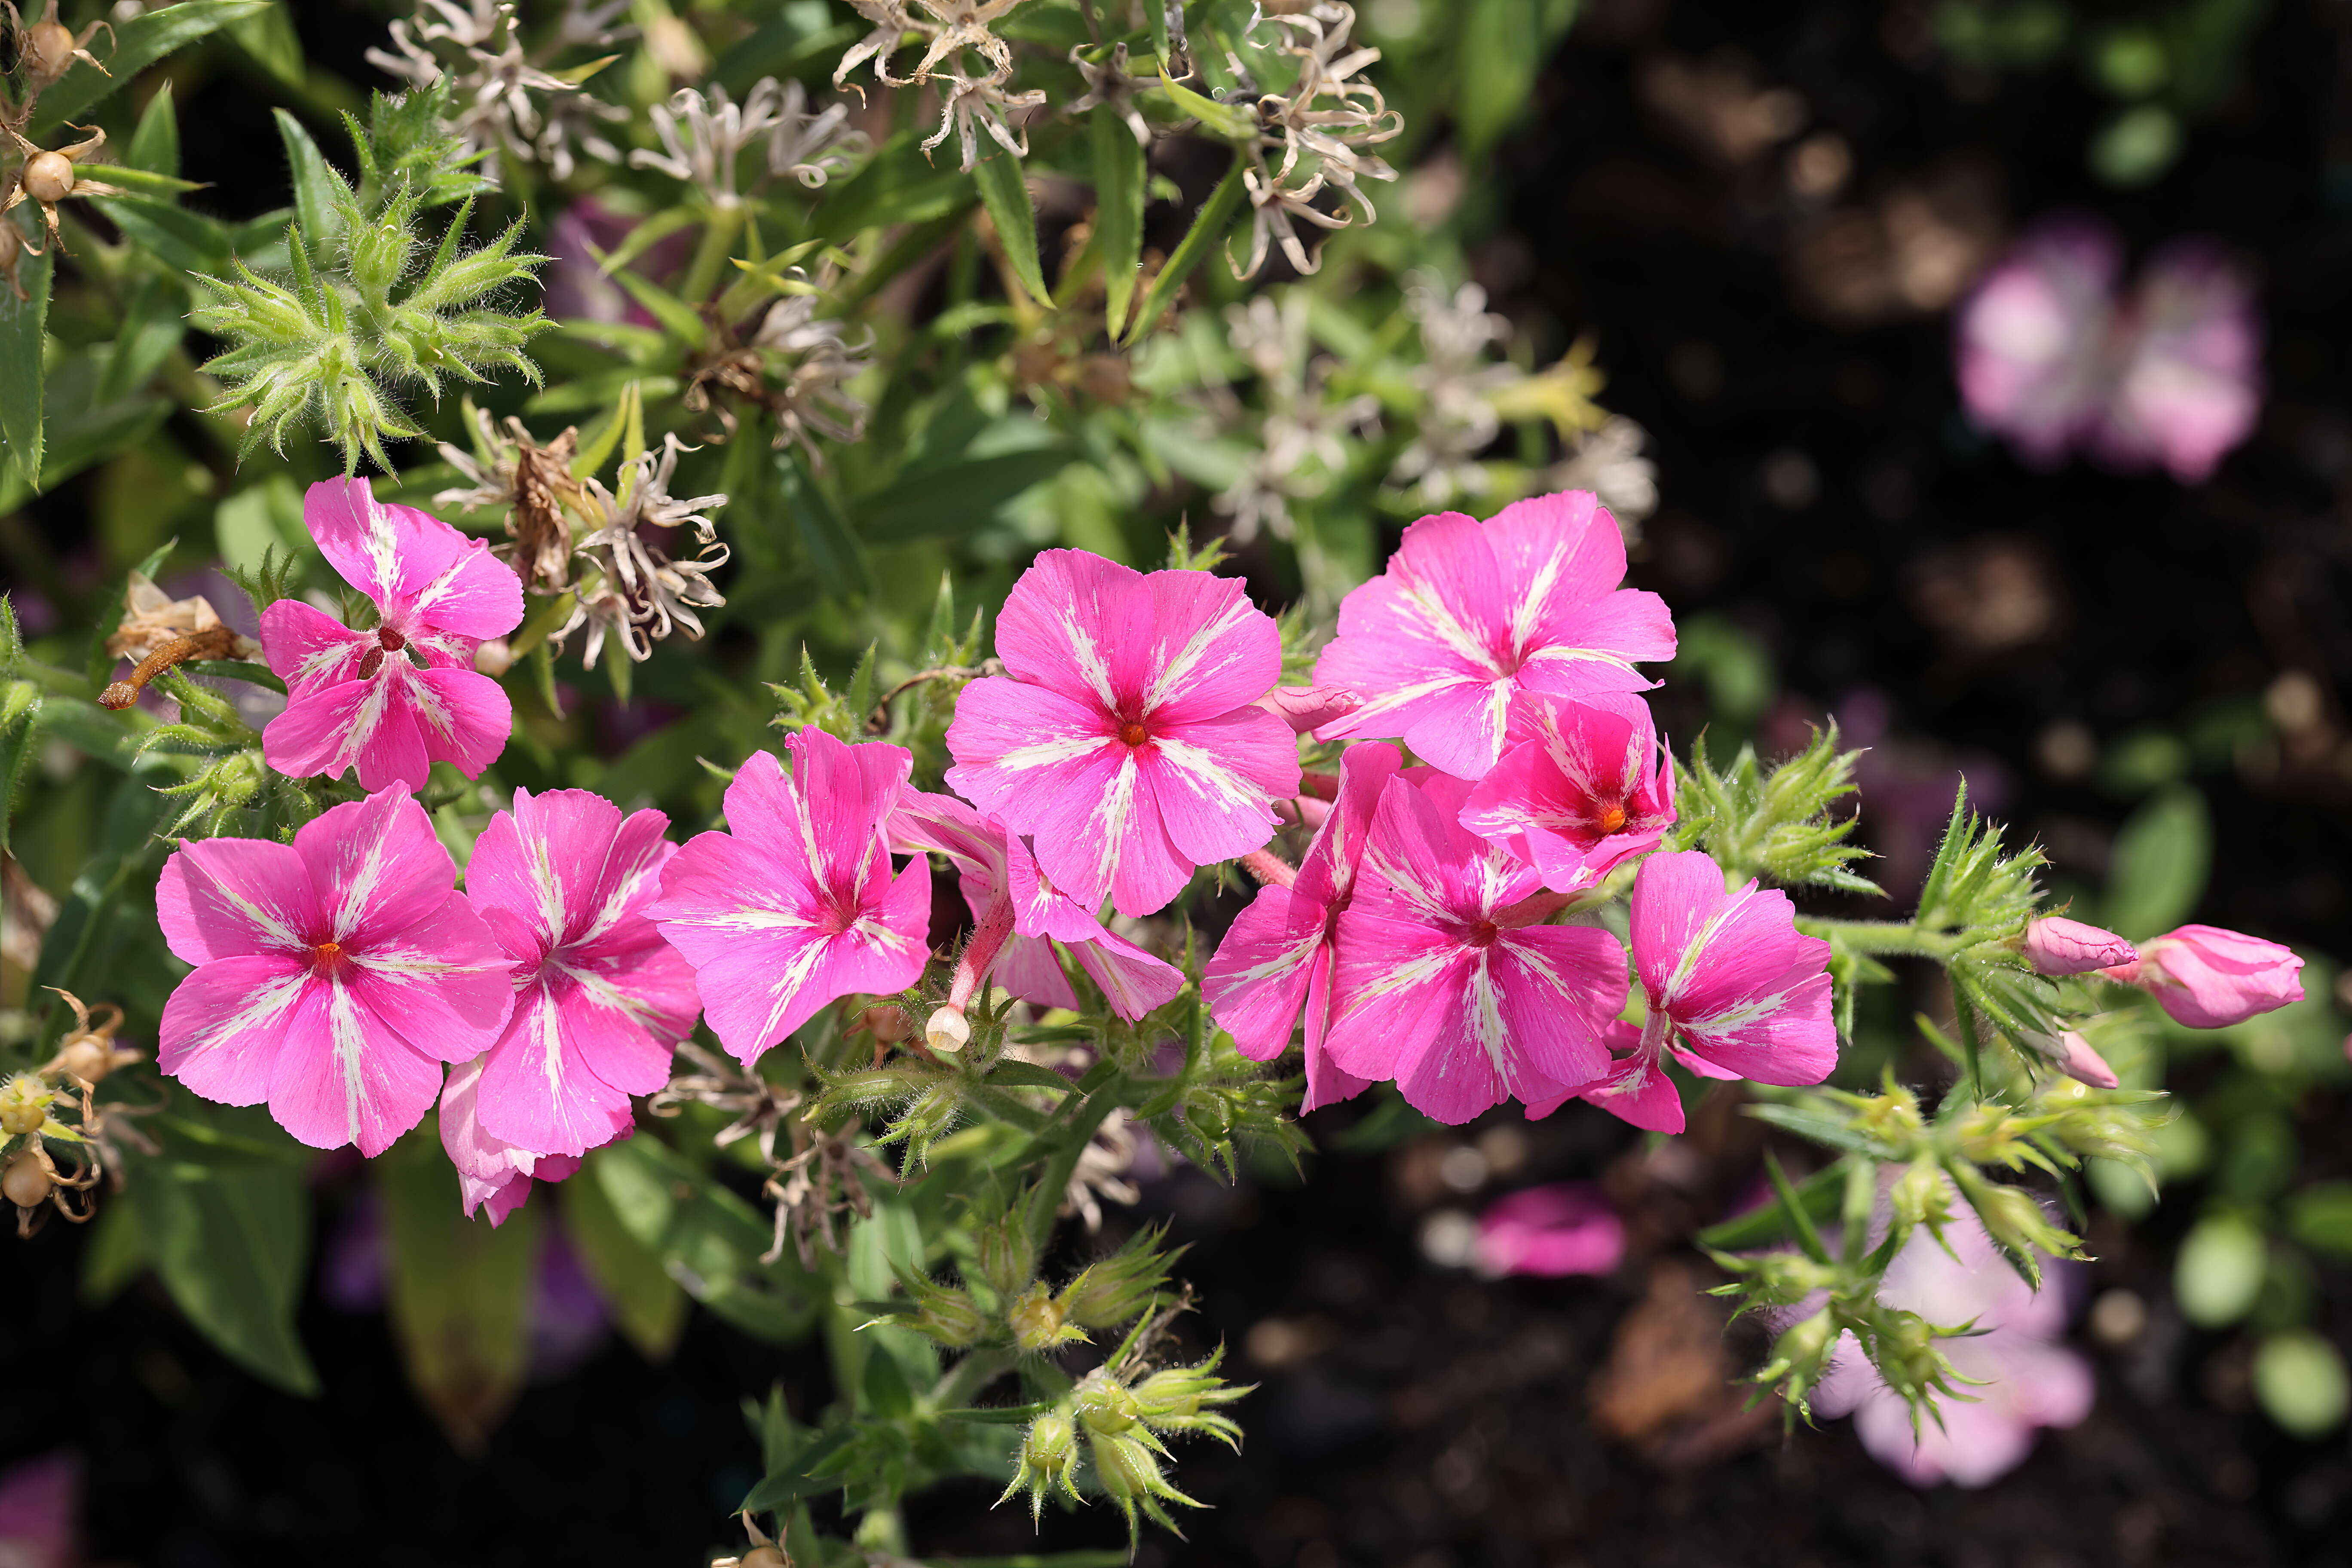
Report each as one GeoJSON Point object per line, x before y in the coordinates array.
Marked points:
{"type": "Point", "coordinates": [502, 98]}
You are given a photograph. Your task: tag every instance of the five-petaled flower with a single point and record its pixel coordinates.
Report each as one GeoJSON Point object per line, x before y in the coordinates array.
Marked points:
{"type": "Point", "coordinates": [393, 699]}
{"type": "Point", "coordinates": [1733, 991]}
{"type": "Point", "coordinates": [1472, 620]}
{"type": "Point", "coordinates": [1277, 958]}
{"type": "Point", "coordinates": [334, 976]}
{"type": "Point", "coordinates": [564, 882]}
{"type": "Point", "coordinates": [1443, 981]}
{"type": "Point", "coordinates": [1583, 789]}
{"type": "Point", "coordinates": [1125, 737]}
{"type": "Point", "coordinates": [794, 905]}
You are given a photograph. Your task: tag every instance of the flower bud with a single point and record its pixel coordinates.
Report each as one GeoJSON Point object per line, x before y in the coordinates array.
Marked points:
{"type": "Point", "coordinates": [2057, 946]}
{"type": "Point", "coordinates": [1048, 1458]}
{"type": "Point", "coordinates": [2017, 1224]}
{"type": "Point", "coordinates": [2208, 978]}
{"type": "Point", "coordinates": [1183, 1399]}
{"type": "Point", "coordinates": [1106, 1405]}
{"type": "Point", "coordinates": [1306, 707]}
{"type": "Point", "coordinates": [1921, 1195]}
{"type": "Point", "coordinates": [85, 1056]}
{"type": "Point", "coordinates": [942, 1313]}
{"type": "Point", "coordinates": [1036, 1321]}
{"type": "Point", "coordinates": [2083, 1064]}
{"type": "Point", "coordinates": [1800, 1355]}
{"type": "Point", "coordinates": [494, 659]}
{"type": "Point", "coordinates": [26, 1182]}
{"type": "Point", "coordinates": [948, 1031]}
{"type": "Point", "coordinates": [24, 1105]}
{"type": "Point", "coordinates": [1117, 1290]}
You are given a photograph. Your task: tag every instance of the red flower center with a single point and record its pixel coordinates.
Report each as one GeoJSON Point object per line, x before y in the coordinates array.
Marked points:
{"type": "Point", "coordinates": [1133, 733]}
{"type": "Point", "coordinates": [330, 956]}
{"type": "Point", "coordinates": [1483, 934]}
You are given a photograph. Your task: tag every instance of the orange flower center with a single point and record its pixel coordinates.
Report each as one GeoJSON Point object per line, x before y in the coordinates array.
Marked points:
{"type": "Point", "coordinates": [1612, 818]}
{"type": "Point", "coordinates": [330, 954]}
{"type": "Point", "coordinates": [1133, 733]}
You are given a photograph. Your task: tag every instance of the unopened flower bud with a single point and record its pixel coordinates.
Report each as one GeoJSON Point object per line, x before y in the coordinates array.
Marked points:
{"type": "Point", "coordinates": [2018, 1223]}
{"type": "Point", "coordinates": [1306, 707]}
{"type": "Point", "coordinates": [1117, 1290]}
{"type": "Point", "coordinates": [26, 1182]}
{"type": "Point", "coordinates": [2056, 946]}
{"type": "Point", "coordinates": [947, 1030]}
{"type": "Point", "coordinates": [1051, 1445]}
{"type": "Point", "coordinates": [1921, 1195]}
{"type": "Point", "coordinates": [2085, 1065]}
{"type": "Point", "coordinates": [494, 659]}
{"type": "Point", "coordinates": [2209, 978]}
{"type": "Point", "coordinates": [1802, 1352]}
{"type": "Point", "coordinates": [1108, 1405]}
{"type": "Point", "coordinates": [24, 1105]}
{"type": "Point", "coordinates": [1038, 1321]}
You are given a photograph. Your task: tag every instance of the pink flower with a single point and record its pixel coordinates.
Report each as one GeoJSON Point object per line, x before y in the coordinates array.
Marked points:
{"type": "Point", "coordinates": [1583, 789]}
{"type": "Point", "coordinates": [997, 867]}
{"type": "Point", "coordinates": [1127, 741]}
{"type": "Point", "coordinates": [2026, 1378]}
{"type": "Point", "coordinates": [2033, 340]}
{"type": "Point", "coordinates": [2209, 978]}
{"type": "Point", "coordinates": [1568, 1227]}
{"type": "Point", "coordinates": [1733, 992]}
{"type": "Point", "coordinates": [394, 700]}
{"type": "Point", "coordinates": [2081, 1063]}
{"type": "Point", "coordinates": [334, 976]}
{"type": "Point", "coordinates": [2189, 385]}
{"type": "Point", "coordinates": [2057, 946]}
{"type": "Point", "coordinates": [794, 906]}
{"type": "Point", "coordinates": [1473, 620]}
{"type": "Point", "coordinates": [1277, 957]}
{"type": "Point", "coordinates": [1444, 985]}
{"type": "Point", "coordinates": [1309, 708]}
{"type": "Point", "coordinates": [493, 1175]}
{"type": "Point", "coordinates": [40, 1503]}
{"type": "Point", "coordinates": [599, 998]}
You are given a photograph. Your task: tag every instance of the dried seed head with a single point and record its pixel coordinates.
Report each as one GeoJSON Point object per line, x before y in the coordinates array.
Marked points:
{"type": "Point", "coordinates": [86, 1057]}
{"type": "Point", "coordinates": [49, 49]}
{"type": "Point", "coordinates": [48, 176]}
{"type": "Point", "coordinates": [765, 1557]}
{"type": "Point", "coordinates": [28, 1182]}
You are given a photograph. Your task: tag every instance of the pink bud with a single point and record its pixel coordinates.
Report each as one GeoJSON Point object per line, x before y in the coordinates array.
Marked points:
{"type": "Point", "coordinates": [2055, 945]}
{"type": "Point", "coordinates": [1312, 812]}
{"type": "Point", "coordinates": [2209, 978]}
{"type": "Point", "coordinates": [1305, 708]}
{"type": "Point", "coordinates": [2085, 1065]}
{"type": "Point", "coordinates": [1565, 1228]}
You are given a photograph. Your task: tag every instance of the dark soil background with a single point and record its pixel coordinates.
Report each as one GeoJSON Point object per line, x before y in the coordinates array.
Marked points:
{"type": "Point", "coordinates": [1824, 496]}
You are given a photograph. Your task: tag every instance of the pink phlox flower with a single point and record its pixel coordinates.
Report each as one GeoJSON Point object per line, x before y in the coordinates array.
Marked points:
{"type": "Point", "coordinates": [2208, 978]}
{"type": "Point", "coordinates": [2034, 339]}
{"type": "Point", "coordinates": [2029, 1379]}
{"type": "Point", "coordinates": [1125, 738]}
{"type": "Point", "coordinates": [2079, 1062]}
{"type": "Point", "coordinates": [334, 976]}
{"type": "Point", "coordinates": [1277, 957]}
{"type": "Point", "coordinates": [40, 1511]}
{"type": "Point", "coordinates": [1733, 991]}
{"type": "Point", "coordinates": [2058, 946]}
{"type": "Point", "coordinates": [2189, 385]}
{"type": "Point", "coordinates": [1470, 621]}
{"type": "Point", "coordinates": [794, 906]}
{"type": "Point", "coordinates": [494, 1176]}
{"type": "Point", "coordinates": [993, 865]}
{"type": "Point", "coordinates": [1584, 788]}
{"type": "Point", "coordinates": [1439, 984]}
{"type": "Point", "coordinates": [599, 997]}
{"type": "Point", "coordinates": [395, 699]}
{"type": "Point", "coordinates": [1306, 709]}
{"type": "Point", "coordinates": [1552, 1231]}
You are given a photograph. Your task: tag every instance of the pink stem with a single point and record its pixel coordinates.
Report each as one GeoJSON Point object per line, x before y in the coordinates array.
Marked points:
{"type": "Point", "coordinates": [1534, 909]}
{"type": "Point", "coordinates": [987, 940]}
{"type": "Point", "coordinates": [1269, 868]}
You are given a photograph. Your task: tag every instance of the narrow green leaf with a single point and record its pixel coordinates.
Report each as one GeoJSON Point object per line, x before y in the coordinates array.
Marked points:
{"type": "Point", "coordinates": [459, 1294]}
{"type": "Point", "coordinates": [674, 314]}
{"type": "Point", "coordinates": [273, 43]}
{"type": "Point", "coordinates": [954, 498]}
{"type": "Point", "coordinates": [1227, 121]}
{"type": "Point", "coordinates": [648, 1304]}
{"type": "Point", "coordinates": [1504, 44]}
{"type": "Point", "coordinates": [1005, 195]}
{"type": "Point", "coordinates": [23, 332]}
{"type": "Point", "coordinates": [1207, 230]}
{"type": "Point", "coordinates": [20, 715]}
{"type": "Point", "coordinates": [1119, 172]}
{"type": "Point", "coordinates": [834, 552]}
{"type": "Point", "coordinates": [156, 145]}
{"type": "Point", "coordinates": [230, 1240]}
{"type": "Point", "coordinates": [138, 44]}
{"type": "Point", "coordinates": [1817, 1199]}
{"type": "Point", "coordinates": [318, 188]}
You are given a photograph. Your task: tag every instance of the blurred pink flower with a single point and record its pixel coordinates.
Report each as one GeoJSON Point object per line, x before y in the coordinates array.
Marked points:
{"type": "Point", "coordinates": [2208, 978]}
{"type": "Point", "coordinates": [493, 1175]}
{"type": "Point", "coordinates": [2029, 1380]}
{"type": "Point", "coordinates": [40, 1505]}
{"type": "Point", "coordinates": [2033, 338]}
{"type": "Point", "coordinates": [2057, 946]}
{"type": "Point", "coordinates": [1583, 788]}
{"type": "Point", "coordinates": [1567, 1228]}
{"type": "Point", "coordinates": [2083, 1064]}
{"type": "Point", "coordinates": [2190, 385]}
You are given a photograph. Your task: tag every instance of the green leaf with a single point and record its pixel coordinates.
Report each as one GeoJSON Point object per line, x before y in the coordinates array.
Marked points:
{"type": "Point", "coordinates": [648, 1304]}
{"type": "Point", "coordinates": [459, 1291]}
{"type": "Point", "coordinates": [674, 314]}
{"type": "Point", "coordinates": [2219, 1270]}
{"type": "Point", "coordinates": [1504, 44]}
{"type": "Point", "coordinates": [1817, 1199]}
{"type": "Point", "coordinates": [22, 331]}
{"type": "Point", "coordinates": [20, 722]}
{"type": "Point", "coordinates": [2162, 858]}
{"type": "Point", "coordinates": [954, 498]}
{"type": "Point", "coordinates": [1207, 230]}
{"type": "Point", "coordinates": [183, 240]}
{"type": "Point", "coordinates": [708, 1239]}
{"type": "Point", "coordinates": [835, 554]}
{"type": "Point", "coordinates": [273, 43]}
{"type": "Point", "coordinates": [229, 1237]}
{"type": "Point", "coordinates": [1005, 195]}
{"type": "Point", "coordinates": [2300, 1383]}
{"type": "Point", "coordinates": [319, 190]}
{"type": "Point", "coordinates": [1119, 171]}
{"type": "Point", "coordinates": [156, 145]}
{"type": "Point", "coordinates": [2320, 1216]}
{"type": "Point", "coordinates": [1226, 121]}
{"type": "Point", "coordinates": [138, 44]}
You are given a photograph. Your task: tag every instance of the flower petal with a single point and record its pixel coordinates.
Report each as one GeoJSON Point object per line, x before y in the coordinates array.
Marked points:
{"type": "Point", "coordinates": [344, 1075]}
{"type": "Point", "coordinates": [463, 717]}
{"type": "Point", "coordinates": [442, 983]}
{"type": "Point", "coordinates": [1209, 650]}
{"type": "Point", "coordinates": [537, 1091]}
{"type": "Point", "coordinates": [1068, 622]}
{"type": "Point", "coordinates": [377, 864]}
{"type": "Point", "coordinates": [225, 1025]}
{"type": "Point", "coordinates": [309, 649]}
{"type": "Point", "coordinates": [331, 730]}
{"type": "Point", "coordinates": [222, 898]}
{"type": "Point", "coordinates": [1257, 979]}
{"type": "Point", "coordinates": [1213, 781]}
{"type": "Point", "coordinates": [398, 555]}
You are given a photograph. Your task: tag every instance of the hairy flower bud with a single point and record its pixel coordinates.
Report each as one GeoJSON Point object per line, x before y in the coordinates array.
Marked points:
{"type": "Point", "coordinates": [1038, 1321]}
{"type": "Point", "coordinates": [1106, 1405]}
{"type": "Point", "coordinates": [948, 1031]}
{"type": "Point", "coordinates": [942, 1313]}
{"type": "Point", "coordinates": [1117, 1290]}
{"type": "Point", "coordinates": [1800, 1355]}
{"type": "Point", "coordinates": [2085, 1065]}
{"type": "Point", "coordinates": [1183, 1399]}
{"type": "Point", "coordinates": [2017, 1222]}
{"type": "Point", "coordinates": [2057, 946]}
{"type": "Point", "coordinates": [1921, 1196]}
{"type": "Point", "coordinates": [1048, 1458]}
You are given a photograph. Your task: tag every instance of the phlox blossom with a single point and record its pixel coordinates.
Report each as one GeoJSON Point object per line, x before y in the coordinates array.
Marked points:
{"type": "Point", "coordinates": [996, 867]}
{"type": "Point", "coordinates": [390, 701]}
{"type": "Point", "coordinates": [1551, 1231]}
{"type": "Point", "coordinates": [334, 974]}
{"type": "Point", "coordinates": [564, 882]}
{"type": "Point", "coordinates": [2208, 978]}
{"type": "Point", "coordinates": [494, 1176]}
{"type": "Point", "coordinates": [1583, 788]}
{"type": "Point", "coordinates": [794, 905]}
{"type": "Point", "coordinates": [1472, 621]}
{"type": "Point", "coordinates": [1124, 737]}
{"type": "Point", "coordinates": [1441, 986]}
{"type": "Point", "coordinates": [1733, 991]}
{"type": "Point", "coordinates": [2033, 338]}
{"type": "Point", "coordinates": [1277, 958]}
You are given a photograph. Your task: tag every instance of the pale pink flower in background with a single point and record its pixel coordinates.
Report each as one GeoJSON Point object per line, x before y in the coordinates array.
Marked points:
{"type": "Point", "coordinates": [1470, 621]}
{"type": "Point", "coordinates": [794, 905]}
{"type": "Point", "coordinates": [564, 882]}
{"type": "Point", "coordinates": [1733, 992]}
{"type": "Point", "coordinates": [334, 976]}
{"type": "Point", "coordinates": [391, 700]}
{"type": "Point", "coordinates": [1125, 738]}
{"type": "Point", "coordinates": [1277, 958]}
{"type": "Point", "coordinates": [494, 1176]}
{"type": "Point", "coordinates": [40, 1509]}
{"type": "Point", "coordinates": [2078, 1061]}
{"type": "Point", "coordinates": [2055, 945]}
{"type": "Point", "coordinates": [992, 867]}
{"type": "Point", "coordinates": [2033, 338]}
{"type": "Point", "coordinates": [2208, 978]}
{"type": "Point", "coordinates": [1583, 787]}
{"type": "Point", "coordinates": [1566, 1227]}
{"type": "Point", "coordinates": [2023, 1377]}
{"type": "Point", "coordinates": [1443, 982]}
{"type": "Point", "coordinates": [2188, 384]}
{"type": "Point", "coordinates": [1306, 709]}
